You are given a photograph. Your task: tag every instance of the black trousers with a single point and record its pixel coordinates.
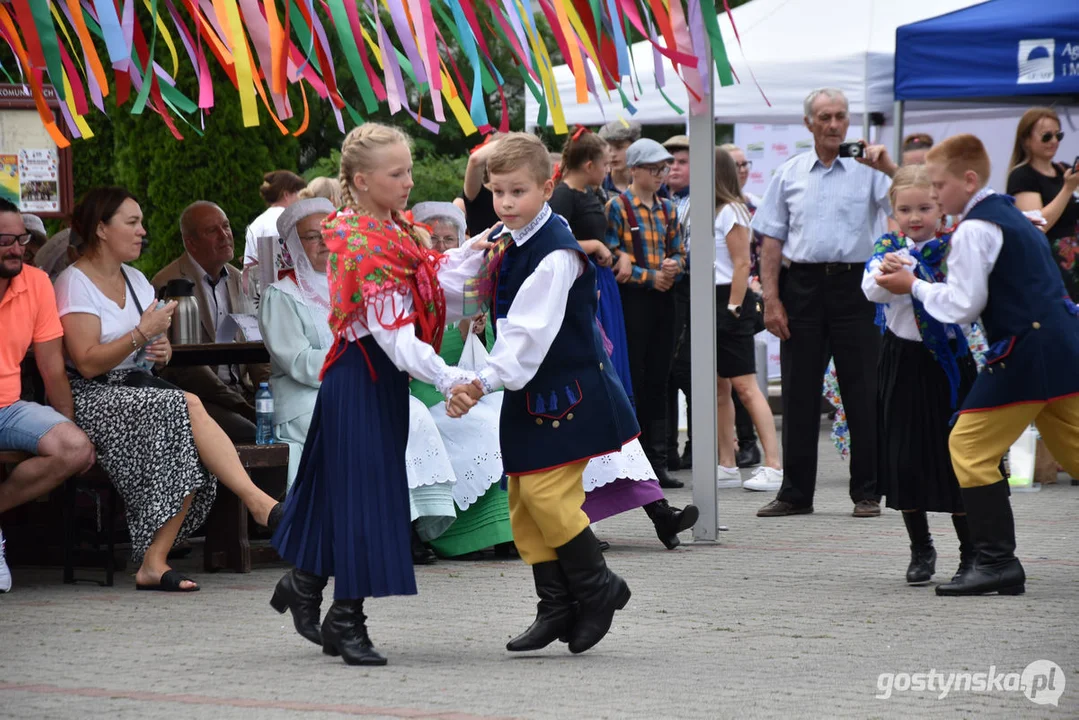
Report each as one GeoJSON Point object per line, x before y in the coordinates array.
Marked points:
{"type": "Point", "coordinates": [680, 378]}
{"type": "Point", "coordinates": [650, 321]}
{"type": "Point", "coordinates": [239, 427]}
{"type": "Point", "coordinates": [827, 314]}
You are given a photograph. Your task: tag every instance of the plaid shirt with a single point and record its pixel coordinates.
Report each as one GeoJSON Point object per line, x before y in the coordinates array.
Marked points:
{"type": "Point", "coordinates": [661, 241]}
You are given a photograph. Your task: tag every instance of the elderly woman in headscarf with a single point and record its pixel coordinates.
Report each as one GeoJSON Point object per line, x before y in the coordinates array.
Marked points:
{"type": "Point", "coordinates": [483, 519]}
{"type": "Point", "coordinates": [293, 316]}
{"type": "Point", "coordinates": [294, 319]}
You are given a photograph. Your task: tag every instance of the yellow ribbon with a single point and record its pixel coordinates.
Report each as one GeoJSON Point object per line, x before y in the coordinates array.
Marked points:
{"type": "Point", "coordinates": [164, 30]}
{"type": "Point", "coordinates": [245, 78]}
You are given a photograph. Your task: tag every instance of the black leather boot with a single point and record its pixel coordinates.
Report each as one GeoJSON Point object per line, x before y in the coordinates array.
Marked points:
{"type": "Point", "coordinates": [923, 556]}
{"type": "Point", "coordinates": [686, 462]}
{"type": "Point", "coordinates": [344, 633]}
{"type": "Point", "coordinates": [669, 521]}
{"type": "Point", "coordinates": [554, 612]}
{"type": "Point", "coordinates": [992, 533]}
{"type": "Point", "coordinates": [599, 592]}
{"type": "Point", "coordinates": [301, 592]}
{"type": "Point", "coordinates": [656, 452]}
{"type": "Point", "coordinates": [421, 553]}
{"type": "Point", "coordinates": [966, 549]}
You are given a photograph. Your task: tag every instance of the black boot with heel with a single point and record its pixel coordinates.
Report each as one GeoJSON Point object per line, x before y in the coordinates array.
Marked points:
{"type": "Point", "coordinates": [555, 611]}
{"type": "Point", "coordinates": [923, 556]}
{"type": "Point", "coordinates": [344, 633]}
{"type": "Point", "coordinates": [599, 592]}
{"type": "Point", "coordinates": [992, 533]}
{"type": "Point", "coordinates": [669, 521]}
{"type": "Point", "coordinates": [301, 592]}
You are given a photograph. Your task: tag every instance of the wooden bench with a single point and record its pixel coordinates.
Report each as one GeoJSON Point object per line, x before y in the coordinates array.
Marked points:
{"type": "Point", "coordinates": [228, 543]}
{"type": "Point", "coordinates": [95, 478]}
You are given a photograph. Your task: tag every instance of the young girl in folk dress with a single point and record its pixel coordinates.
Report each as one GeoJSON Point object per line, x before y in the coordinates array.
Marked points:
{"type": "Point", "coordinates": [390, 299]}
{"type": "Point", "coordinates": [925, 371]}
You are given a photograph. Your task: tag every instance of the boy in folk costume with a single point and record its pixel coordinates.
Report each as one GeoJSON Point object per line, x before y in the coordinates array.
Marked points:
{"type": "Point", "coordinates": [562, 403]}
{"type": "Point", "coordinates": [999, 268]}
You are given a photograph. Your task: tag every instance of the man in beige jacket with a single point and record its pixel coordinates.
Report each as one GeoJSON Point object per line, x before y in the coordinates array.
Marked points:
{"type": "Point", "coordinates": [227, 391]}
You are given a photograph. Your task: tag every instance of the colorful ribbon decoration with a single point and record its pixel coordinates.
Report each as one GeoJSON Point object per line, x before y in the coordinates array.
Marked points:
{"type": "Point", "coordinates": [264, 46]}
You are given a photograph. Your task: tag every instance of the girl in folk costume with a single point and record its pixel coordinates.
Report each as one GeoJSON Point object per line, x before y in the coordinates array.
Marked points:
{"type": "Point", "coordinates": [623, 480]}
{"type": "Point", "coordinates": [925, 371]}
{"type": "Point", "coordinates": [390, 298]}
{"type": "Point", "coordinates": [294, 319]}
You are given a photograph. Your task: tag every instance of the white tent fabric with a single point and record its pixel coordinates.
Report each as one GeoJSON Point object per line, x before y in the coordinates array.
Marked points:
{"type": "Point", "coordinates": [792, 46]}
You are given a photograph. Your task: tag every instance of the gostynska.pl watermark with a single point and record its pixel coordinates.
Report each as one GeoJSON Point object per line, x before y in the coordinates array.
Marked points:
{"type": "Point", "coordinates": [1042, 681]}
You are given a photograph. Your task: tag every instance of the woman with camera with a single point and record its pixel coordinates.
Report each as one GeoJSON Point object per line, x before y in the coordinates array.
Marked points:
{"type": "Point", "coordinates": [1037, 183]}
{"type": "Point", "coordinates": [158, 445]}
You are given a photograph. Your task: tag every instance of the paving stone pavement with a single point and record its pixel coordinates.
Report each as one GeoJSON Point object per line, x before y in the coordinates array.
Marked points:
{"type": "Point", "coordinates": [786, 618]}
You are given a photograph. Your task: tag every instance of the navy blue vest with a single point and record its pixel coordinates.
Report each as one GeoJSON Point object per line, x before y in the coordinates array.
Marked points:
{"type": "Point", "coordinates": [1030, 323]}
{"type": "Point", "coordinates": [575, 407]}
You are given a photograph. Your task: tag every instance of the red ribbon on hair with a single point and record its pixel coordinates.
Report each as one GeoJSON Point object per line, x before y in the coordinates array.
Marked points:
{"type": "Point", "coordinates": [581, 130]}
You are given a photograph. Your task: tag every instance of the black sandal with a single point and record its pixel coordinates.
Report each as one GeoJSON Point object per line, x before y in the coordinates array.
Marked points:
{"type": "Point", "coordinates": [170, 582]}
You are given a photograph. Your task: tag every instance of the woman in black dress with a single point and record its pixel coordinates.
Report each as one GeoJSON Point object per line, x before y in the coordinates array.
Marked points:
{"type": "Point", "coordinates": [1038, 183]}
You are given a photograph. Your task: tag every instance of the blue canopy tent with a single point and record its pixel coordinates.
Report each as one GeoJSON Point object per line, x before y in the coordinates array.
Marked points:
{"type": "Point", "coordinates": [997, 50]}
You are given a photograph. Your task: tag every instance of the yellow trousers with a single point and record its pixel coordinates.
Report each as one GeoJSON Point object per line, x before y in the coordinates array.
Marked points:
{"type": "Point", "coordinates": [980, 439]}
{"type": "Point", "coordinates": [545, 511]}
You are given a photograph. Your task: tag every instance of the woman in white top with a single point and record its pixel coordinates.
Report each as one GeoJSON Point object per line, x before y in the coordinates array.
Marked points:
{"type": "Point", "coordinates": [737, 311]}
{"type": "Point", "coordinates": [158, 445]}
{"type": "Point", "coordinates": [279, 189]}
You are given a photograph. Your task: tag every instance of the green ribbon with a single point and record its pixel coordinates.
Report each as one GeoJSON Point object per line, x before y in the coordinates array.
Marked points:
{"type": "Point", "coordinates": [50, 47]}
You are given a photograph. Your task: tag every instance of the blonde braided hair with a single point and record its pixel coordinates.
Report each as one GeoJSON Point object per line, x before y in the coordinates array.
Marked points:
{"type": "Point", "coordinates": [357, 155]}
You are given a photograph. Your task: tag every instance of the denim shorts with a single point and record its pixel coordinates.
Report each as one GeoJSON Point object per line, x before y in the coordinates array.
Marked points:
{"type": "Point", "coordinates": [23, 424]}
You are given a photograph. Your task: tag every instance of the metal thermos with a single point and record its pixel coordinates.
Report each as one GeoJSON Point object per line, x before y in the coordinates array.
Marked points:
{"type": "Point", "coordinates": [185, 320]}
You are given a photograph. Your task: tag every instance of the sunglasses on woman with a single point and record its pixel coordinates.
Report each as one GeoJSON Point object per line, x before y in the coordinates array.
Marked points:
{"type": "Point", "coordinates": [1047, 137]}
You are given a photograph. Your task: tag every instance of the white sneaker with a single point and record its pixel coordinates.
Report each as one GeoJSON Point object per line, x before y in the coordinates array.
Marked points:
{"type": "Point", "coordinates": [5, 573]}
{"type": "Point", "coordinates": [764, 479]}
{"type": "Point", "coordinates": [727, 477]}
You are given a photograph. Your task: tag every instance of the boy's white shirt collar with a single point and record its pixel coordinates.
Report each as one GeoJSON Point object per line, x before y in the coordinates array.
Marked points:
{"type": "Point", "coordinates": [977, 198]}
{"type": "Point", "coordinates": [520, 237]}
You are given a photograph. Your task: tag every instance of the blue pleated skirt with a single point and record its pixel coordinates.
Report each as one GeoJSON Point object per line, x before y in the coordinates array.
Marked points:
{"type": "Point", "coordinates": [347, 514]}
{"type": "Point", "coordinates": [614, 324]}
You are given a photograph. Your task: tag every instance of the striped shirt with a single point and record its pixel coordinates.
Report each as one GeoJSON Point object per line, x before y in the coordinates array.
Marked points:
{"type": "Point", "coordinates": [824, 214]}
{"type": "Point", "coordinates": [659, 231]}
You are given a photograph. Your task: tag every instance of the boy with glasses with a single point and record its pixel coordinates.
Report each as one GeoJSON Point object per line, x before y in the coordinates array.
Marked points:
{"type": "Point", "coordinates": [644, 234]}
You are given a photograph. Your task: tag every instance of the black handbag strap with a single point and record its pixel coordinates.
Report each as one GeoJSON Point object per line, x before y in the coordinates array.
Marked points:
{"type": "Point", "coordinates": [131, 289]}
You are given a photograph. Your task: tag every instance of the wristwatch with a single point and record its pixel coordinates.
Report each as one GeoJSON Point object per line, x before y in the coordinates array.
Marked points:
{"type": "Point", "coordinates": [735, 310]}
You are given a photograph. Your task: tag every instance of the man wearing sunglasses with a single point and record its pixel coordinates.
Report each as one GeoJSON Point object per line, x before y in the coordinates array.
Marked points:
{"type": "Point", "coordinates": [644, 235]}
{"type": "Point", "coordinates": [29, 318]}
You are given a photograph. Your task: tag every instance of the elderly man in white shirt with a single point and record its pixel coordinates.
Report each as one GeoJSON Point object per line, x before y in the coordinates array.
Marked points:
{"type": "Point", "coordinates": [819, 217]}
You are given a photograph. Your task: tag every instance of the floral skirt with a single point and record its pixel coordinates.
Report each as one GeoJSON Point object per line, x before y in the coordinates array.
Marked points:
{"type": "Point", "coordinates": [144, 442]}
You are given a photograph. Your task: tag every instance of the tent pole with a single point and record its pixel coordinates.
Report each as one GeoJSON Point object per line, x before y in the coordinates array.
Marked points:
{"type": "Point", "coordinates": [898, 122]}
{"type": "Point", "coordinates": [702, 292]}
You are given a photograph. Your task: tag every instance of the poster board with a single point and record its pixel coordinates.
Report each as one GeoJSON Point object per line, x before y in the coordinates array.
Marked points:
{"type": "Point", "coordinates": [35, 174]}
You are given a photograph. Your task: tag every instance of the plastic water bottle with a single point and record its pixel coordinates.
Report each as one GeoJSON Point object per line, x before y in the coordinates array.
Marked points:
{"type": "Point", "coordinates": [264, 415]}
{"type": "Point", "coordinates": [141, 361]}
